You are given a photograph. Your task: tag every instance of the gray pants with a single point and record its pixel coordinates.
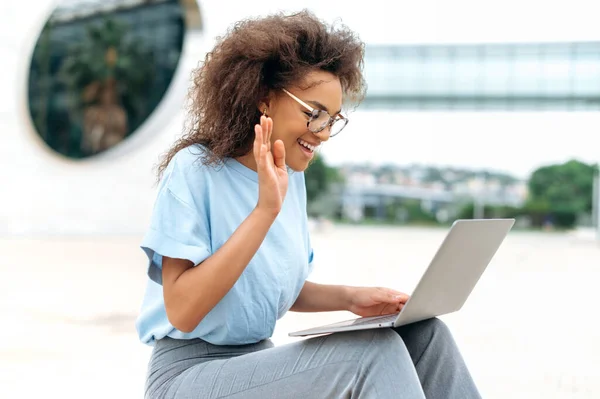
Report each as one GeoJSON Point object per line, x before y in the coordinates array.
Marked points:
{"type": "Point", "coordinates": [415, 361]}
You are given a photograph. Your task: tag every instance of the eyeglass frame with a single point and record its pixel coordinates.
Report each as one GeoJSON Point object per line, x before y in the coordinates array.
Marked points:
{"type": "Point", "coordinates": [314, 112]}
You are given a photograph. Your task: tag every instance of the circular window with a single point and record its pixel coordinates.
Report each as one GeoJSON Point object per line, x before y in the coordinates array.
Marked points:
{"type": "Point", "coordinates": [100, 68]}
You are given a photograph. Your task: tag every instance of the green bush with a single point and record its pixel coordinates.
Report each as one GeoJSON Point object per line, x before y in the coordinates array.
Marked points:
{"type": "Point", "coordinates": [538, 212]}
{"type": "Point", "coordinates": [468, 210]}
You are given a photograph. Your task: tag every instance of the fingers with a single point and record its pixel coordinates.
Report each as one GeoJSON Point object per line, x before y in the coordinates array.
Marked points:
{"type": "Point", "coordinates": [270, 131]}
{"type": "Point", "coordinates": [279, 154]}
{"type": "Point", "coordinates": [266, 124]}
{"type": "Point", "coordinates": [265, 159]}
{"type": "Point", "coordinates": [394, 307]}
{"type": "Point", "coordinates": [390, 309]}
{"type": "Point", "coordinates": [257, 139]}
{"type": "Point", "coordinates": [257, 142]}
{"type": "Point", "coordinates": [384, 295]}
{"type": "Point", "coordinates": [397, 295]}
{"type": "Point", "coordinates": [262, 144]}
{"type": "Point", "coordinates": [263, 125]}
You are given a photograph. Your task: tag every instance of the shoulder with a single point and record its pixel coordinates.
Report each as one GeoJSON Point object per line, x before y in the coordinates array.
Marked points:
{"type": "Point", "coordinates": [187, 160]}
{"type": "Point", "coordinates": [186, 176]}
{"type": "Point", "coordinates": [188, 165]}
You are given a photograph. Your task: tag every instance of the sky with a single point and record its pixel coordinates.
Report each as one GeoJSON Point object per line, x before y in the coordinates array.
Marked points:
{"type": "Point", "coordinates": [409, 21]}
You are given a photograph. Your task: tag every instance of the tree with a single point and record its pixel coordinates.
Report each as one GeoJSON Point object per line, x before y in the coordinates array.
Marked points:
{"type": "Point", "coordinates": [107, 75]}
{"type": "Point", "coordinates": [319, 177]}
{"type": "Point", "coordinates": [561, 192]}
{"type": "Point", "coordinates": [567, 186]}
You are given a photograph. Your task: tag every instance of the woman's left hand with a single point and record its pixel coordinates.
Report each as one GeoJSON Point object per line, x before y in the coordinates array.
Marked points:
{"type": "Point", "coordinates": [376, 301]}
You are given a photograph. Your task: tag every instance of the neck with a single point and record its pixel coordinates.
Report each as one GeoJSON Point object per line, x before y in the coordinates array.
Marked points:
{"type": "Point", "coordinates": [248, 161]}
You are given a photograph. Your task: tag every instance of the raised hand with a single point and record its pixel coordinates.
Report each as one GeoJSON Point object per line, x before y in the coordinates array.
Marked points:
{"type": "Point", "coordinates": [271, 168]}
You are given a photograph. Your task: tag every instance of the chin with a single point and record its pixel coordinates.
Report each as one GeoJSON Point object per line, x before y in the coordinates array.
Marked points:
{"type": "Point", "coordinates": [297, 166]}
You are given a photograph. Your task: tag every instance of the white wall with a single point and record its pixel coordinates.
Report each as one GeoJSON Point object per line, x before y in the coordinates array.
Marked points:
{"type": "Point", "coordinates": [42, 193]}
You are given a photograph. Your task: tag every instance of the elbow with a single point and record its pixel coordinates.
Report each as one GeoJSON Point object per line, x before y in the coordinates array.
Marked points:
{"type": "Point", "coordinates": [296, 307]}
{"type": "Point", "coordinates": [185, 328]}
{"type": "Point", "coordinates": [181, 319]}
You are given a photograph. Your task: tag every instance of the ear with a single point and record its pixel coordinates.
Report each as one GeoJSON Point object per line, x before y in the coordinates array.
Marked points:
{"type": "Point", "coordinates": [267, 102]}
{"type": "Point", "coordinates": [264, 105]}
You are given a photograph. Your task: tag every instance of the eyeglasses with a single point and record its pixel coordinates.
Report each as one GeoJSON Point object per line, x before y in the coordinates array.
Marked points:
{"type": "Point", "coordinates": [319, 119]}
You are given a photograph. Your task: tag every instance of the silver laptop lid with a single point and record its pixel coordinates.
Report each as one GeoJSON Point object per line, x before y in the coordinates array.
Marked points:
{"type": "Point", "coordinates": [456, 267]}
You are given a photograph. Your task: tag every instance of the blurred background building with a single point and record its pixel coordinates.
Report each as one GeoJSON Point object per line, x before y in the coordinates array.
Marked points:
{"type": "Point", "coordinates": [543, 76]}
{"type": "Point", "coordinates": [534, 79]}
{"type": "Point", "coordinates": [456, 122]}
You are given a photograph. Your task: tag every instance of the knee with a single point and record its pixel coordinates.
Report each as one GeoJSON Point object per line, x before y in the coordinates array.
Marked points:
{"type": "Point", "coordinates": [385, 348]}
{"type": "Point", "coordinates": [376, 337]}
{"type": "Point", "coordinates": [434, 328]}
{"type": "Point", "coordinates": [386, 342]}
{"type": "Point", "coordinates": [384, 361]}
{"type": "Point", "coordinates": [426, 332]}
{"type": "Point", "coordinates": [362, 346]}
{"type": "Point", "coordinates": [386, 337]}
{"type": "Point", "coordinates": [378, 340]}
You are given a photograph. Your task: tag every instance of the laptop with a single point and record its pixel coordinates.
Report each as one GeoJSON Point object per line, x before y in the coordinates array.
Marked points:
{"type": "Point", "coordinates": [448, 281]}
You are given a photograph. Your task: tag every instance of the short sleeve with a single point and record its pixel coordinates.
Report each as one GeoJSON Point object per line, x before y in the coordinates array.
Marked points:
{"type": "Point", "coordinates": [311, 253]}
{"type": "Point", "coordinates": [179, 227]}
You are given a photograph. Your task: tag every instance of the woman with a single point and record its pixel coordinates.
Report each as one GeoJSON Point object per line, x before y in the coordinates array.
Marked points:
{"type": "Point", "coordinates": [229, 247]}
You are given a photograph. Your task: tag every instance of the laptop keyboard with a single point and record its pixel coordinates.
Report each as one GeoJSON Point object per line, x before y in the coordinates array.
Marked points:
{"type": "Point", "coordinates": [375, 319]}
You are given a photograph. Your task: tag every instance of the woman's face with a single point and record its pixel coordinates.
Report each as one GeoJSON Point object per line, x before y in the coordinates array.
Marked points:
{"type": "Point", "coordinates": [322, 90]}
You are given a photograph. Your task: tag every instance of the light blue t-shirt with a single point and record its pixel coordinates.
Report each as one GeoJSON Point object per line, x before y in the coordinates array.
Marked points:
{"type": "Point", "coordinates": [197, 209]}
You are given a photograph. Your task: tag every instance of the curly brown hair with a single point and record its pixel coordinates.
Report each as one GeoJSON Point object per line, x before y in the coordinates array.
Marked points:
{"type": "Point", "coordinates": [256, 56]}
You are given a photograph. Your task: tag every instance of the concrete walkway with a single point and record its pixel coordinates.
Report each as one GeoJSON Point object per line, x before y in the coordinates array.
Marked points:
{"type": "Point", "coordinates": [528, 330]}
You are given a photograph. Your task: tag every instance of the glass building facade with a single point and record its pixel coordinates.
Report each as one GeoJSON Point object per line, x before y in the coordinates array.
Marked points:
{"type": "Point", "coordinates": [520, 77]}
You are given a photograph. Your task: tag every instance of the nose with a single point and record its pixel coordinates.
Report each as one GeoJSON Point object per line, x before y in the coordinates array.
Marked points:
{"type": "Point", "coordinates": [324, 134]}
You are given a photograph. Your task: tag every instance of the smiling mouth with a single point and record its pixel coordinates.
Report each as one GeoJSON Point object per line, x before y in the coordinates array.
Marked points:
{"type": "Point", "coordinates": [311, 148]}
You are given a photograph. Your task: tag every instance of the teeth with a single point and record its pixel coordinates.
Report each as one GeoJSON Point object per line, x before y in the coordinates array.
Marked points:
{"type": "Point", "coordinates": [305, 144]}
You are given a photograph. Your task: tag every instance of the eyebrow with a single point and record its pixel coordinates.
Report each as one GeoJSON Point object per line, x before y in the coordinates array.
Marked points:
{"type": "Point", "coordinates": [319, 105]}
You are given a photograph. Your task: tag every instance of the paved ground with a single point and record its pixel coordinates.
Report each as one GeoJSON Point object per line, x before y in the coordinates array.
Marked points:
{"type": "Point", "coordinates": [528, 330]}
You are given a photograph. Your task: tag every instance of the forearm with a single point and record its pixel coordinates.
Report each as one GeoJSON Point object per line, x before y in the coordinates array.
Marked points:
{"type": "Point", "coordinates": [198, 289]}
{"type": "Point", "coordinates": [322, 298]}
